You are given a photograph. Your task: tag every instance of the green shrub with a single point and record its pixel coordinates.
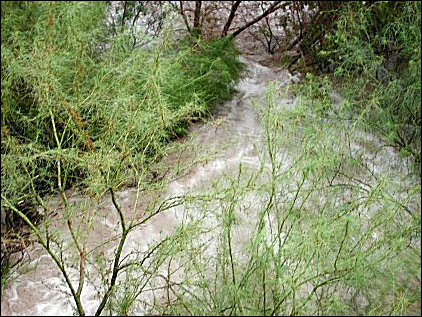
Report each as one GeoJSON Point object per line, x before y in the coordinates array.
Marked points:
{"type": "Point", "coordinates": [374, 53]}
{"type": "Point", "coordinates": [74, 109]}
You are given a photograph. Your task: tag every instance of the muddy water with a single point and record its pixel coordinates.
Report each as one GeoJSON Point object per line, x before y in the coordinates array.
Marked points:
{"type": "Point", "coordinates": [233, 136]}
{"type": "Point", "coordinates": [209, 156]}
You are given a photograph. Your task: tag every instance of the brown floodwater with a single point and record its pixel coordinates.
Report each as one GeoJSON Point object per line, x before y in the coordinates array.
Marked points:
{"type": "Point", "coordinates": [231, 137]}
{"type": "Point", "coordinates": [211, 153]}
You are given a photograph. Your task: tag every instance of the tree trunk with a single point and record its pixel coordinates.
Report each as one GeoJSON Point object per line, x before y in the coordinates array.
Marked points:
{"type": "Point", "coordinates": [197, 14]}
{"type": "Point", "coordinates": [124, 14]}
{"type": "Point", "coordinates": [230, 19]}
{"type": "Point", "coordinates": [182, 13]}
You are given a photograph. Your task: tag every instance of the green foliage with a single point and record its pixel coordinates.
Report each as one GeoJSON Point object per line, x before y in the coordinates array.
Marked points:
{"type": "Point", "coordinates": [79, 105]}
{"type": "Point", "coordinates": [331, 234]}
{"type": "Point", "coordinates": [375, 54]}
{"type": "Point", "coordinates": [5, 271]}
{"type": "Point", "coordinates": [311, 231]}
{"type": "Point", "coordinates": [96, 99]}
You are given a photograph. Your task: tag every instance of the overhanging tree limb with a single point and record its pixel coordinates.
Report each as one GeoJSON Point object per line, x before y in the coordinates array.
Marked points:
{"type": "Point", "coordinates": [230, 18]}
{"type": "Point", "coordinates": [275, 6]}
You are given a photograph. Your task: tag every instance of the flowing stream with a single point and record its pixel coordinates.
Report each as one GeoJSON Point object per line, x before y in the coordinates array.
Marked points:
{"type": "Point", "coordinates": [212, 152]}
{"type": "Point", "coordinates": [226, 140]}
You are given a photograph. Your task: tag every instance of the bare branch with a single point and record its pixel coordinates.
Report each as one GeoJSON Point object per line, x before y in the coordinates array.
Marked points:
{"type": "Point", "coordinates": [275, 6]}
{"type": "Point", "coordinates": [183, 14]}
{"type": "Point", "coordinates": [230, 18]}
